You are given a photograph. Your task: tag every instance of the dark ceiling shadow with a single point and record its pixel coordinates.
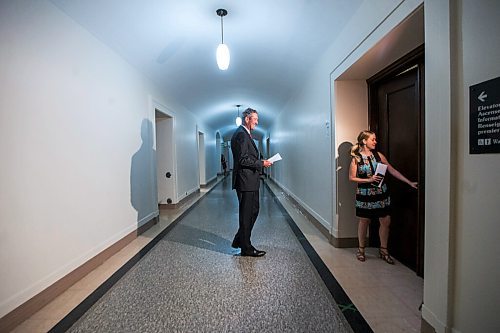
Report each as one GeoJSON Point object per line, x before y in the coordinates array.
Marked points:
{"type": "Point", "coordinates": [202, 239]}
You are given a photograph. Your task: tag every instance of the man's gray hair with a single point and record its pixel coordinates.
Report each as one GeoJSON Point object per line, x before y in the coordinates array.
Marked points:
{"type": "Point", "coordinates": [248, 112]}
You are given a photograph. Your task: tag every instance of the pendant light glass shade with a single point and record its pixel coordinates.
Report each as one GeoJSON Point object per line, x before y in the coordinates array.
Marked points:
{"type": "Point", "coordinates": [238, 118]}
{"type": "Point", "coordinates": [223, 57]}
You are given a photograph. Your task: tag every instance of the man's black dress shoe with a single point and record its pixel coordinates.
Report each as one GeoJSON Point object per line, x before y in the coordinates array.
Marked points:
{"type": "Point", "coordinates": [252, 253]}
{"type": "Point", "coordinates": [235, 244]}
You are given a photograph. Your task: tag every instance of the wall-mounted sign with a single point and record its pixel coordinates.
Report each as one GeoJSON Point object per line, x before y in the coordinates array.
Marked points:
{"type": "Point", "coordinates": [484, 122]}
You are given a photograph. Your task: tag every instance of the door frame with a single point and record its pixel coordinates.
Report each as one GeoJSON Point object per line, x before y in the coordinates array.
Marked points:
{"type": "Point", "coordinates": [158, 107]}
{"type": "Point", "coordinates": [202, 170]}
{"type": "Point", "coordinates": [415, 58]}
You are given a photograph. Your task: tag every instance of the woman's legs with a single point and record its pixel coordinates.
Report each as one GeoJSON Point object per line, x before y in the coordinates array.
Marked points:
{"type": "Point", "coordinates": [383, 233]}
{"type": "Point", "coordinates": [362, 229]}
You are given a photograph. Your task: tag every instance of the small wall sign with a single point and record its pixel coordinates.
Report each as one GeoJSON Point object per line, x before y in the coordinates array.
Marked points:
{"type": "Point", "coordinates": [484, 121]}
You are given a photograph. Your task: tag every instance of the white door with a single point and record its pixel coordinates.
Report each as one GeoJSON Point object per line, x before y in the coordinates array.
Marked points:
{"type": "Point", "coordinates": [165, 158]}
{"type": "Point", "coordinates": [201, 158]}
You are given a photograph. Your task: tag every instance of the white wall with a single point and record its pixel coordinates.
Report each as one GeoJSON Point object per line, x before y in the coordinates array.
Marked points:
{"type": "Point", "coordinates": [75, 141]}
{"type": "Point", "coordinates": [477, 178]}
{"type": "Point", "coordinates": [303, 138]}
{"type": "Point", "coordinates": [438, 164]}
{"type": "Point", "coordinates": [461, 291]}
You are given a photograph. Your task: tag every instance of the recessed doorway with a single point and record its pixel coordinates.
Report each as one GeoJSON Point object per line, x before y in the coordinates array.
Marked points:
{"type": "Point", "coordinates": [165, 158]}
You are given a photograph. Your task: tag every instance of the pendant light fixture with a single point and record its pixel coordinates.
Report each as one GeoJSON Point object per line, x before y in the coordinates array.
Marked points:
{"type": "Point", "coordinates": [223, 56]}
{"type": "Point", "coordinates": [238, 118]}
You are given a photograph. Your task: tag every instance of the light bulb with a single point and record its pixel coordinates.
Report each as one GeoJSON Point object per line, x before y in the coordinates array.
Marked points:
{"type": "Point", "coordinates": [238, 121]}
{"type": "Point", "coordinates": [223, 57]}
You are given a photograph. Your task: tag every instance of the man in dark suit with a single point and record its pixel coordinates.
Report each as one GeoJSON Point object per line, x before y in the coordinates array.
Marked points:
{"type": "Point", "coordinates": [247, 168]}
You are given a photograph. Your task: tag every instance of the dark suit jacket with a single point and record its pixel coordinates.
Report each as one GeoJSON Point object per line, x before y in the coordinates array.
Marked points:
{"type": "Point", "coordinates": [247, 166]}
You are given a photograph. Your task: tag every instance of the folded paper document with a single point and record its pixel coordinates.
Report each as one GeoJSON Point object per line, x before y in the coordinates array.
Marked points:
{"type": "Point", "coordinates": [380, 171]}
{"type": "Point", "coordinates": [274, 158]}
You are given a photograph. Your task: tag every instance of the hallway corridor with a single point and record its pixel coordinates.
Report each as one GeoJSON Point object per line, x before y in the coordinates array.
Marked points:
{"type": "Point", "coordinates": [189, 279]}
{"type": "Point", "coordinates": [111, 112]}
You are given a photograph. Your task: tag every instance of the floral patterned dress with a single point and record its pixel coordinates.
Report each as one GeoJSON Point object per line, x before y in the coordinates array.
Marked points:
{"type": "Point", "coordinates": [371, 201]}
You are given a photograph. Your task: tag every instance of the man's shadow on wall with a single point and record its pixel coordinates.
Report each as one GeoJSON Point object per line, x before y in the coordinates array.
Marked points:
{"type": "Point", "coordinates": [143, 196]}
{"type": "Point", "coordinates": [346, 196]}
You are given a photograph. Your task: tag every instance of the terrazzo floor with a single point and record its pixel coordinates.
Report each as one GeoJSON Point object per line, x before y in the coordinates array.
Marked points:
{"type": "Point", "coordinates": [193, 281]}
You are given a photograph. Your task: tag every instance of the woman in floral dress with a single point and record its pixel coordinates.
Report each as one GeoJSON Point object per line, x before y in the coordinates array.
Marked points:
{"type": "Point", "coordinates": [372, 201]}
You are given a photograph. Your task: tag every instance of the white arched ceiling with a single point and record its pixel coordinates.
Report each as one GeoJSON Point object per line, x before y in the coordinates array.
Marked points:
{"type": "Point", "coordinates": [273, 44]}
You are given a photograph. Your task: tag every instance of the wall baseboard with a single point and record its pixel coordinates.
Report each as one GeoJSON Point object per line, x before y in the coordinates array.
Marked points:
{"type": "Point", "coordinates": [344, 242]}
{"type": "Point", "coordinates": [188, 193]}
{"type": "Point", "coordinates": [209, 183]}
{"type": "Point", "coordinates": [180, 203]}
{"type": "Point", "coordinates": [432, 323]}
{"type": "Point", "coordinates": [425, 327]}
{"type": "Point", "coordinates": [14, 318]}
{"type": "Point", "coordinates": [148, 225]}
{"type": "Point", "coordinates": [147, 219]}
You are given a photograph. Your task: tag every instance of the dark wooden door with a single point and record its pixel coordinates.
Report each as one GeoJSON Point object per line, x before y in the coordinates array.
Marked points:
{"type": "Point", "coordinates": [396, 116]}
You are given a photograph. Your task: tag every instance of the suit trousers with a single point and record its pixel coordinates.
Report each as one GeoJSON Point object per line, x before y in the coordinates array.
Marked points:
{"type": "Point", "coordinates": [248, 212]}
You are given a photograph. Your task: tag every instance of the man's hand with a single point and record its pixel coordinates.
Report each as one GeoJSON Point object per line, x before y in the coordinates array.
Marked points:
{"type": "Point", "coordinates": [266, 163]}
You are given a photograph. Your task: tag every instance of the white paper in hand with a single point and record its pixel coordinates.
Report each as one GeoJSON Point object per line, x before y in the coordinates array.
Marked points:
{"type": "Point", "coordinates": [275, 157]}
{"type": "Point", "coordinates": [380, 171]}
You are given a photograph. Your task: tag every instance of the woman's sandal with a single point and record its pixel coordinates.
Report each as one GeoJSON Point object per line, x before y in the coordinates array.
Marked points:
{"type": "Point", "coordinates": [385, 256]}
{"type": "Point", "coordinates": [360, 255]}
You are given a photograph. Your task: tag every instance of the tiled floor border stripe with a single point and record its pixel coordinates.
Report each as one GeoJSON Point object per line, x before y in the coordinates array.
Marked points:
{"type": "Point", "coordinates": [350, 312]}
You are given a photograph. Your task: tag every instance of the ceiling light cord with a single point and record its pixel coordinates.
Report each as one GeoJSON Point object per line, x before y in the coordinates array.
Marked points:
{"type": "Point", "coordinates": [222, 29]}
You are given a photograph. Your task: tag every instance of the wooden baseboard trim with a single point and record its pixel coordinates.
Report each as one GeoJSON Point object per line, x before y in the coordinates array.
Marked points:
{"type": "Point", "coordinates": [37, 302]}
{"type": "Point", "coordinates": [148, 225]}
{"type": "Point", "coordinates": [344, 242]}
